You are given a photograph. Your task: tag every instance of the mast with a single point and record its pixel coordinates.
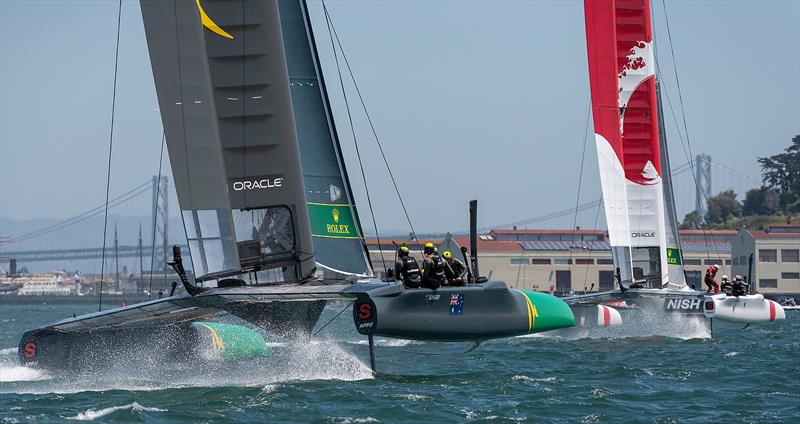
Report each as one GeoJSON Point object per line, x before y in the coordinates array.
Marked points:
{"type": "Point", "coordinates": [677, 276]}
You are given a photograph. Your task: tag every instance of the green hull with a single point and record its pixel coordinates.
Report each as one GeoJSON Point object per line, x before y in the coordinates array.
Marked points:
{"type": "Point", "coordinates": [229, 341]}
{"type": "Point", "coordinates": [475, 312]}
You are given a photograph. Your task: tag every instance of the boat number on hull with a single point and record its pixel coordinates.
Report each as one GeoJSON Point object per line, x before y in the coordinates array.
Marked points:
{"type": "Point", "coordinates": [364, 315]}
{"type": "Point", "coordinates": [29, 350]}
{"type": "Point", "coordinates": [684, 305]}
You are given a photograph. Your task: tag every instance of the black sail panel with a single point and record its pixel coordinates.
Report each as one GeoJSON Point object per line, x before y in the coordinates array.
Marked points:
{"type": "Point", "coordinates": [338, 240]}
{"type": "Point", "coordinates": [223, 89]}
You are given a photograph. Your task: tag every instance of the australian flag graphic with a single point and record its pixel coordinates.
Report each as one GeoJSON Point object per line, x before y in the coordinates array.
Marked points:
{"type": "Point", "coordinates": [457, 304]}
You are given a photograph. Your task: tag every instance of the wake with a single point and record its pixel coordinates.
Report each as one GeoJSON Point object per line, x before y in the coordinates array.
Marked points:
{"type": "Point", "coordinates": [285, 362]}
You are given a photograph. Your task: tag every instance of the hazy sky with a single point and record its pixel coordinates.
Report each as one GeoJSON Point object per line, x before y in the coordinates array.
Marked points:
{"type": "Point", "coordinates": [478, 99]}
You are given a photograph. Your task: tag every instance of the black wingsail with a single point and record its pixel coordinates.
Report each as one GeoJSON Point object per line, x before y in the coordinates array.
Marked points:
{"type": "Point", "coordinates": [223, 89]}
{"type": "Point", "coordinates": [338, 239]}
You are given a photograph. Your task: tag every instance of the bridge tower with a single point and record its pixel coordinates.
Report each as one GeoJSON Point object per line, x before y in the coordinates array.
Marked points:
{"type": "Point", "coordinates": [702, 178]}
{"type": "Point", "coordinates": [161, 221]}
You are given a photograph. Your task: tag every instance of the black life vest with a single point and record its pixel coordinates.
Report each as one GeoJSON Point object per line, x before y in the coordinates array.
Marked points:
{"type": "Point", "coordinates": [739, 288]}
{"type": "Point", "coordinates": [434, 268]}
{"type": "Point", "coordinates": [409, 269]}
{"type": "Point", "coordinates": [458, 267]}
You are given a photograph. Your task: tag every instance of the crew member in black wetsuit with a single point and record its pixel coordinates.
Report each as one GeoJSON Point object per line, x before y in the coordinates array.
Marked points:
{"type": "Point", "coordinates": [726, 286]}
{"type": "Point", "coordinates": [739, 286]}
{"type": "Point", "coordinates": [457, 267]}
{"type": "Point", "coordinates": [434, 269]}
{"type": "Point", "coordinates": [406, 268]}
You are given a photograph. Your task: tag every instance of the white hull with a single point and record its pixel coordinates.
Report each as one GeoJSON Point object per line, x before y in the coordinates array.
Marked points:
{"type": "Point", "coordinates": [596, 316]}
{"type": "Point", "coordinates": [748, 309]}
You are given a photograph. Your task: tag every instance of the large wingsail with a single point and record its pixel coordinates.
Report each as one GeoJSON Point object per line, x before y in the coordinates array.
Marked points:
{"type": "Point", "coordinates": [338, 240]}
{"type": "Point", "coordinates": [621, 71]}
{"type": "Point", "coordinates": [223, 90]}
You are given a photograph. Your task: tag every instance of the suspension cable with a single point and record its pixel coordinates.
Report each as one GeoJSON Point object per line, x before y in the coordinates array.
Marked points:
{"type": "Point", "coordinates": [110, 149]}
{"type": "Point", "coordinates": [130, 194]}
{"type": "Point", "coordinates": [332, 28]}
{"type": "Point", "coordinates": [155, 217]}
{"type": "Point", "coordinates": [355, 138]}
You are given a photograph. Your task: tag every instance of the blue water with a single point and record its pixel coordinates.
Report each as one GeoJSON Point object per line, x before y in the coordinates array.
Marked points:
{"type": "Point", "coordinates": [738, 376]}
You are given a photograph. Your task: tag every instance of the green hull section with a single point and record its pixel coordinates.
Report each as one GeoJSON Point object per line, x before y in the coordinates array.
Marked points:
{"type": "Point", "coordinates": [547, 312]}
{"type": "Point", "coordinates": [230, 341]}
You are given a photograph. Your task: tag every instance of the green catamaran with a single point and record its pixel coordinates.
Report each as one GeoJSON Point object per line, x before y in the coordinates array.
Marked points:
{"type": "Point", "coordinates": [267, 206]}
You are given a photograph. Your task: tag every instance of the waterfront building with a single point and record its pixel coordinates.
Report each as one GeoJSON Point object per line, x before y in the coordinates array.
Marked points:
{"type": "Point", "coordinates": [772, 255]}
{"type": "Point", "coordinates": [565, 260]}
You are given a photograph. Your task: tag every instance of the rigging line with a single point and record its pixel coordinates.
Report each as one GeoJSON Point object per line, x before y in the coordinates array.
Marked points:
{"type": "Point", "coordinates": [371, 125]}
{"type": "Point", "coordinates": [355, 138]}
{"type": "Point", "coordinates": [334, 317]}
{"type": "Point", "coordinates": [580, 179]}
{"type": "Point", "coordinates": [685, 126]}
{"type": "Point", "coordinates": [110, 149]}
{"type": "Point", "coordinates": [155, 217]}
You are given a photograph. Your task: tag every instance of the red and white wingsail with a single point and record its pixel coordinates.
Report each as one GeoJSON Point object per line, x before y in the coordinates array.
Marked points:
{"type": "Point", "coordinates": [622, 75]}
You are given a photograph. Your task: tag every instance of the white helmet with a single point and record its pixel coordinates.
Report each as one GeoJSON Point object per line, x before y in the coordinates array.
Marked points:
{"type": "Point", "coordinates": [725, 278]}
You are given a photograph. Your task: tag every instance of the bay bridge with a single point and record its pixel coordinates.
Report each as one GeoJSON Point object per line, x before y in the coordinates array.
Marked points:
{"type": "Point", "coordinates": [141, 229]}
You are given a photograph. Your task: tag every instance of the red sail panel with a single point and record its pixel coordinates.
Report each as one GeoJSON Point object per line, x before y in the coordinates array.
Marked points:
{"type": "Point", "coordinates": [621, 72]}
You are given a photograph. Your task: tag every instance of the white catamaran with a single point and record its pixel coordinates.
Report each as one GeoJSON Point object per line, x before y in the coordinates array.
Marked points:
{"type": "Point", "coordinates": [635, 173]}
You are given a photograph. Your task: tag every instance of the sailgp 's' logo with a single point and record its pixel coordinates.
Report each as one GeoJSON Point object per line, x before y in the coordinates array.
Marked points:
{"type": "Point", "coordinates": [258, 183]}
{"type": "Point", "coordinates": [210, 24]}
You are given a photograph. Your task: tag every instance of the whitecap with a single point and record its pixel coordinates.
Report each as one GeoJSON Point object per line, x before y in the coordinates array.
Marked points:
{"type": "Point", "coordinates": [730, 354]}
{"type": "Point", "coordinates": [600, 393]}
{"type": "Point", "coordinates": [92, 414]}
{"type": "Point", "coordinates": [531, 379]}
{"type": "Point", "coordinates": [412, 397]}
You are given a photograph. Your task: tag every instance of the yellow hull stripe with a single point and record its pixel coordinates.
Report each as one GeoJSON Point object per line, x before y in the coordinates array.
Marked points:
{"type": "Point", "coordinates": [210, 24]}
{"type": "Point", "coordinates": [530, 309]}
{"type": "Point", "coordinates": [215, 339]}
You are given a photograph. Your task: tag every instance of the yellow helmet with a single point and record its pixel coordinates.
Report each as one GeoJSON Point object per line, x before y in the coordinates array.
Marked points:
{"type": "Point", "coordinates": [403, 251]}
{"type": "Point", "coordinates": [447, 254]}
{"type": "Point", "coordinates": [428, 248]}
